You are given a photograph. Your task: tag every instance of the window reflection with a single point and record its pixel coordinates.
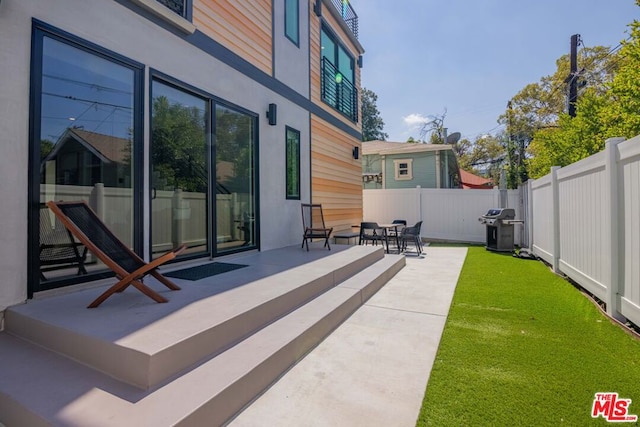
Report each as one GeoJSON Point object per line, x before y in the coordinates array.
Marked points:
{"type": "Point", "coordinates": [235, 192]}
{"type": "Point", "coordinates": [179, 153]}
{"type": "Point", "coordinates": [86, 145]}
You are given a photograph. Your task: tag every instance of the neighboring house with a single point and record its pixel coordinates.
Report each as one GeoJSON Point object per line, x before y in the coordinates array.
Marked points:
{"type": "Point", "coordinates": [471, 181]}
{"type": "Point", "coordinates": [165, 114]}
{"type": "Point", "coordinates": [407, 165]}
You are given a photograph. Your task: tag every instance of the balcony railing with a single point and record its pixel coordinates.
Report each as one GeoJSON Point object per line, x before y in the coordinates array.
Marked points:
{"type": "Point", "coordinates": [348, 14]}
{"type": "Point", "coordinates": [338, 91]}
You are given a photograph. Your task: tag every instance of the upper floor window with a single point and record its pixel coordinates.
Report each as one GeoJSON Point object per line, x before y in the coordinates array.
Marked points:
{"type": "Point", "coordinates": [403, 169]}
{"type": "Point", "coordinates": [178, 6]}
{"type": "Point", "coordinates": [292, 21]}
{"type": "Point", "coordinates": [337, 77]}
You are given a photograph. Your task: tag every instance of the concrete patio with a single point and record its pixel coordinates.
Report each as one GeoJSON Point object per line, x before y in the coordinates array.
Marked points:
{"type": "Point", "coordinates": [222, 341]}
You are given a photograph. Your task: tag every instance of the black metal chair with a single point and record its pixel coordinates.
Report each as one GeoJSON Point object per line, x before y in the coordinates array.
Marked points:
{"type": "Point", "coordinates": [411, 235]}
{"type": "Point", "coordinates": [313, 225]}
{"type": "Point", "coordinates": [372, 232]}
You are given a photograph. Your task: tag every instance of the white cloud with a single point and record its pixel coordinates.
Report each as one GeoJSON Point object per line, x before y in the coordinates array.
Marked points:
{"type": "Point", "coordinates": [415, 120]}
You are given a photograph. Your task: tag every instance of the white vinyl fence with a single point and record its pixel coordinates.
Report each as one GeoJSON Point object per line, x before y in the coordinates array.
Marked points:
{"type": "Point", "coordinates": [583, 219]}
{"type": "Point", "coordinates": [585, 222]}
{"type": "Point", "coordinates": [446, 214]}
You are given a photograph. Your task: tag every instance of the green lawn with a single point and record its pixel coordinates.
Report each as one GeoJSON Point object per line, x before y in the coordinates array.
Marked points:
{"type": "Point", "coordinates": [523, 347]}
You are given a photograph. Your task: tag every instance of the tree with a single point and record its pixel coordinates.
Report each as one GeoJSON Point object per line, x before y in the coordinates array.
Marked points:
{"type": "Point", "coordinates": [605, 110]}
{"type": "Point", "coordinates": [539, 107]}
{"type": "Point", "coordinates": [434, 128]}
{"type": "Point", "coordinates": [372, 123]}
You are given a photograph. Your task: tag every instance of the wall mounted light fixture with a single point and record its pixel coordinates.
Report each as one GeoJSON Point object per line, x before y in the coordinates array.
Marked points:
{"type": "Point", "coordinates": [356, 153]}
{"type": "Point", "coordinates": [317, 7]}
{"type": "Point", "coordinates": [272, 114]}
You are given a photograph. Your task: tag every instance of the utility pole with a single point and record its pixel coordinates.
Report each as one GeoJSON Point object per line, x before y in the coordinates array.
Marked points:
{"type": "Point", "coordinates": [572, 80]}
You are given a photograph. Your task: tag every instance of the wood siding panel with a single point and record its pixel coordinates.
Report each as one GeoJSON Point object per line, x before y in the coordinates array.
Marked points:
{"type": "Point", "coordinates": [336, 178]}
{"type": "Point", "coordinates": [245, 28]}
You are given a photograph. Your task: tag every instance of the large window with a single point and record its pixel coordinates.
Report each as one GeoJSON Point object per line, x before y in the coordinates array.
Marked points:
{"type": "Point", "coordinates": [292, 21]}
{"type": "Point", "coordinates": [85, 146]}
{"type": "Point", "coordinates": [292, 163]}
{"type": "Point", "coordinates": [338, 76]}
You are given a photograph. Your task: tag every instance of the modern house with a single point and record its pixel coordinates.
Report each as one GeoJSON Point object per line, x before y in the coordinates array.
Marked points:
{"type": "Point", "coordinates": [407, 165]}
{"type": "Point", "coordinates": [206, 122]}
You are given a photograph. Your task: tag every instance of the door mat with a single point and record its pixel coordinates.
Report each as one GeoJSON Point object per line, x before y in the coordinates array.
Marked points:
{"type": "Point", "coordinates": [202, 271]}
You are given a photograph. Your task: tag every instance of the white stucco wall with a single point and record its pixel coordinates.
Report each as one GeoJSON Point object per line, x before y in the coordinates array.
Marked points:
{"type": "Point", "coordinates": [115, 27]}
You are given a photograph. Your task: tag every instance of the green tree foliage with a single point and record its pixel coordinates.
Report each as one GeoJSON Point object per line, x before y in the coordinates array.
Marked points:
{"type": "Point", "coordinates": [537, 111]}
{"type": "Point", "coordinates": [178, 146]}
{"type": "Point", "coordinates": [604, 110]}
{"type": "Point", "coordinates": [372, 123]}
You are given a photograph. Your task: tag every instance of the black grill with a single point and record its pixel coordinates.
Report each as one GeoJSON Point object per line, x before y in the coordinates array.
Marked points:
{"type": "Point", "coordinates": [499, 223]}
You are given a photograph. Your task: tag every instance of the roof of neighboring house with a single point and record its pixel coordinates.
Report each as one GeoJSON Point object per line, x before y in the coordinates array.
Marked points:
{"type": "Point", "coordinates": [385, 147]}
{"type": "Point", "coordinates": [470, 180]}
{"type": "Point", "coordinates": [108, 148]}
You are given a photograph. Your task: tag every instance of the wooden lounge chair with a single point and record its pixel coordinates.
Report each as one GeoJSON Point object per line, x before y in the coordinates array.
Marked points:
{"type": "Point", "coordinates": [313, 224]}
{"type": "Point", "coordinates": [85, 225]}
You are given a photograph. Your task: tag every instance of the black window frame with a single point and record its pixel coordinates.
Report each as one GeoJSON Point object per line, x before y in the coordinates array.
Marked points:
{"type": "Point", "coordinates": [331, 66]}
{"type": "Point", "coordinates": [40, 30]}
{"type": "Point", "coordinates": [292, 196]}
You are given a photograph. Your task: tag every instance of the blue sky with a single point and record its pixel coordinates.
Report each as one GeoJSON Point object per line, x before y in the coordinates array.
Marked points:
{"type": "Point", "coordinates": [471, 56]}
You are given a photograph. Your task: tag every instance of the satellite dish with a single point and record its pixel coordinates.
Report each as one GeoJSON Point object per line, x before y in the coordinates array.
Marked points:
{"type": "Point", "coordinates": [453, 138]}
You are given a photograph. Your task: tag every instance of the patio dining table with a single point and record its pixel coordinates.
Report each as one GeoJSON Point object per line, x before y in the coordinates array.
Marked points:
{"type": "Point", "coordinates": [386, 227]}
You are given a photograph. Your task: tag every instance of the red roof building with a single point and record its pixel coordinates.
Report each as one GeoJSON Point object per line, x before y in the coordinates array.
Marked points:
{"type": "Point", "coordinates": [470, 180]}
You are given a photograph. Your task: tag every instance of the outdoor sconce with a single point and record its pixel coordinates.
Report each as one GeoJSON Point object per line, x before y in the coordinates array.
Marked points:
{"type": "Point", "coordinates": [272, 113]}
{"type": "Point", "coordinates": [356, 153]}
{"type": "Point", "coordinates": [379, 179]}
{"type": "Point", "coordinates": [360, 61]}
{"type": "Point", "coordinates": [317, 7]}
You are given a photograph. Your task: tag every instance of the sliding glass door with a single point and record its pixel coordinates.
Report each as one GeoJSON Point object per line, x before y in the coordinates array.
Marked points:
{"type": "Point", "coordinates": [236, 196]}
{"type": "Point", "coordinates": [180, 128]}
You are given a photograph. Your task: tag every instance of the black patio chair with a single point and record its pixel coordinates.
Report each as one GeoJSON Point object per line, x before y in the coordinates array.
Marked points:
{"type": "Point", "coordinates": [85, 225]}
{"type": "Point", "coordinates": [411, 235]}
{"type": "Point", "coordinates": [313, 225]}
{"type": "Point", "coordinates": [372, 232]}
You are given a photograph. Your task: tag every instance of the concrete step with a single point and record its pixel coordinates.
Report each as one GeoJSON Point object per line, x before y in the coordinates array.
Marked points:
{"type": "Point", "coordinates": [210, 393]}
{"type": "Point", "coordinates": [158, 344]}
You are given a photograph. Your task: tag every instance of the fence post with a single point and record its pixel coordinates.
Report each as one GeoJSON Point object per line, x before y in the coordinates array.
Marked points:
{"type": "Point", "coordinates": [613, 260]}
{"type": "Point", "coordinates": [96, 199]}
{"type": "Point", "coordinates": [419, 202]}
{"type": "Point", "coordinates": [555, 218]}
{"type": "Point", "coordinates": [529, 214]}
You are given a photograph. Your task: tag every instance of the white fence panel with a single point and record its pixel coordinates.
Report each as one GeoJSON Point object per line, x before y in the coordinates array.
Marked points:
{"type": "Point", "coordinates": [542, 201]}
{"type": "Point", "coordinates": [592, 233]}
{"type": "Point", "coordinates": [447, 214]}
{"type": "Point", "coordinates": [383, 206]}
{"type": "Point", "coordinates": [453, 214]}
{"type": "Point", "coordinates": [629, 171]}
{"type": "Point", "coordinates": [583, 216]}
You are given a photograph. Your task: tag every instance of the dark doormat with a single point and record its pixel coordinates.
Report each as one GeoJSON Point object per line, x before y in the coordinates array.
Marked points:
{"type": "Point", "coordinates": [202, 271]}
